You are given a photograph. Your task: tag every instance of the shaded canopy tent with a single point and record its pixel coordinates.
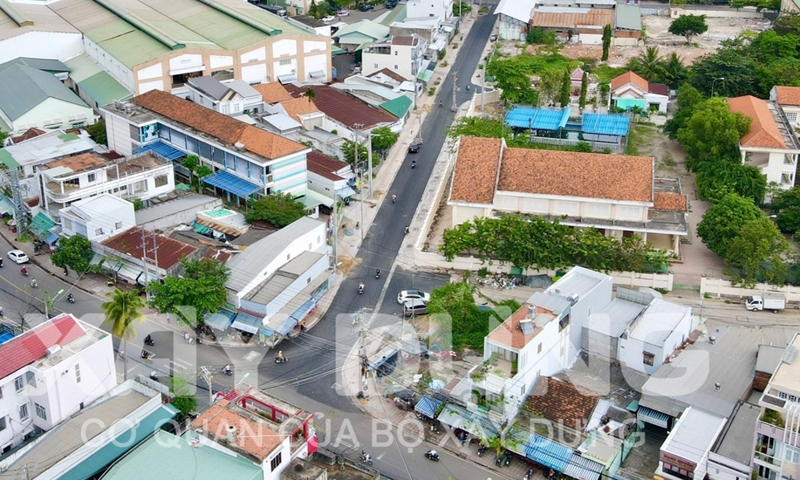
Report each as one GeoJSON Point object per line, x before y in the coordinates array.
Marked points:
{"type": "Point", "coordinates": [231, 184]}
{"type": "Point", "coordinates": [162, 150]}
{"type": "Point", "coordinates": [546, 125]}
{"type": "Point", "coordinates": [524, 117]}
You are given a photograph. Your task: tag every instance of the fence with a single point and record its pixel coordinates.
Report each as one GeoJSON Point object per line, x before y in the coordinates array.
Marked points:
{"type": "Point", "coordinates": [596, 146]}
{"type": "Point", "coordinates": [719, 287]}
{"type": "Point", "coordinates": [664, 12]}
{"type": "Point", "coordinates": [731, 13]}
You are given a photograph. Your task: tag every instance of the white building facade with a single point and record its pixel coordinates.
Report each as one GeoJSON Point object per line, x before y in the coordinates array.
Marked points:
{"type": "Point", "coordinates": [654, 336]}
{"type": "Point", "coordinates": [440, 9]}
{"type": "Point", "coordinates": [97, 218]}
{"type": "Point", "coordinates": [400, 54]}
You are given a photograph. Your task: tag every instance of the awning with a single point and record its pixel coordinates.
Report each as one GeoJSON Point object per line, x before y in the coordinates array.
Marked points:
{"type": "Point", "coordinates": [427, 406]}
{"type": "Point", "coordinates": [41, 225]}
{"type": "Point", "coordinates": [51, 239]}
{"type": "Point", "coordinates": [231, 183]}
{"type": "Point", "coordinates": [345, 192]}
{"type": "Point", "coordinates": [582, 468]}
{"type": "Point", "coordinates": [247, 323]}
{"type": "Point", "coordinates": [284, 79]}
{"type": "Point", "coordinates": [220, 321]}
{"type": "Point", "coordinates": [286, 326]}
{"type": "Point", "coordinates": [439, 45]}
{"type": "Point", "coordinates": [475, 423]}
{"type": "Point", "coordinates": [317, 74]}
{"type": "Point", "coordinates": [313, 199]}
{"type": "Point", "coordinates": [425, 75]}
{"type": "Point", "coordinates": [548, 453]}
{"type": "Point", "coordinates": [162, 150]}
{"type": "Point", "coordinates": [6, 206]}
{"type": "Point", "coordinates": [201, 229]}
{"type": "Point", "coordinates": [652, 417]}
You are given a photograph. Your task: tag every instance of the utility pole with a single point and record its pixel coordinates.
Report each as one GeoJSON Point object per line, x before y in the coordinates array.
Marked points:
{"type": "Point", "coordinates": [20, 216]}
{"type": "Point", "coordinates": [455, 87]}
{"type": "Point", "coordinates": [359, 321]}
{"type": "Point", "coordinates": [369, 161]}
{"type": "Point", "coordinates": [205, 374]}
{"type": "Point", "coordinates": [357, 129]}
{"type": "Point", "coordinates": [145, 251]}
{"type": "Point", "coordinates": [335, 228]}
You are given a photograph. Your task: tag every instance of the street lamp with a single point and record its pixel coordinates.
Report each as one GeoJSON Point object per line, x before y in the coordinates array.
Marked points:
{"type": "Point", "coordinates": [49, 303]}
{"type": "Point", "coordinates": [715, 81]}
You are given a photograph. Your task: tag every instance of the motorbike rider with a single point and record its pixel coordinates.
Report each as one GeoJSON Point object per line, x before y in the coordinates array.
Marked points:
{"type": "Point", "coordinates": [441, 103]}
{"type": "Point", "coordinates": [70, 298]}
{"type": "Point", "coordinates": [24, 270]}
{"type": "Point", "coordinates": [377, 273]}
{"type": "Point", "coordinates": [34, 283]}
{"type": "Point", "coordinates": [394, 199]}
{"type": "Point", "coordinates": [280, 357]}
{"type": "Point", "coordinates": [361, 287]}
{"type": "Point", "coordinates": [226, 369]}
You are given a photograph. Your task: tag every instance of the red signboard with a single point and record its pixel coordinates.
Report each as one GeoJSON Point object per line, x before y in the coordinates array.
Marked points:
{"type": "Point", "coordinates": [677, 461]}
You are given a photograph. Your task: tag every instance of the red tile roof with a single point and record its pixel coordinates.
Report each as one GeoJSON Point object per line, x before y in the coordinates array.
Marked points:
{"type": "Point", "coordinates": [226, 129]}
{"type": "Point", "coordinates": [343, 108]}
{"type": "Point", "coordinates": [170, 251]}
{"type": "Point", "coordinates": [252, 437]}
{"type": "Point", "coordinates": [764, 131]}
{"type": "Point", "coordinates": [572, 174]}
{"type": "Point", "coordinates": [509, 332]}
{"type": "Point", "coordinates": [630, 77]}
{"type": "Point", "coordinates": [77, 163]}
{"type": "Point", "coordinates": [670, 201]}
{"type": "Point", "coordinates": [389, 73]}
{"type": "Point", "coordinates": [27, 135]}
{"type": "Point", "coordinates": [272, 92]}
{"type": "Point", "coordinates": [33, 344]}
{"type": "Point", "coordinates": [658, 89]}
{"type": "Point", "coordinates": [560, 401]}
{"type": "Point", "coordinates": [324, 165]}
{"type": "Point", "coordinates": [476, 170]}
{"type": "Point", "coordinates": [299, 106]}
{"type": "Point", "coordinates": [787, 96]}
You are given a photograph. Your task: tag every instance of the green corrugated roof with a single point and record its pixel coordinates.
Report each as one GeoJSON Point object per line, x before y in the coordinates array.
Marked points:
{"type": "Point", "coordinates": [365, 29]}
{"type": "Point", "coordinates": [46, 65]}
{"type": "Point", "coordinates": [41, 225]}
{"type": "Point", "coordinates": [68, 137]}
{"type": "Point", "coordinates": [629, 17]}
{"type": "Point", "coordinates": [125, 441]}
{"type": "Point", "coordinates": [425, 75]}
{"type": "Point", "coordinates": [7, 160]}
{"type": "Point", "coordinates": [24, 88]}
{"type": "Point", "coordinates": [398, 106]}
{"type": "Point", "coordinates": [396, 15]}
{"type": "Point", "coordinates": [104, 89]}
{"type": "Point", "coordinates": [165, 456]}
{"type": "Point", "coordinates": [82, 67]}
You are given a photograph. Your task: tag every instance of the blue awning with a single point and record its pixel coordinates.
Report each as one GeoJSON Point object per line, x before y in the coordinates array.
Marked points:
{"type": "Point", "coordinates": [286, 326]}
{"type": "Point", "coordinates": [162, 150]}
{"type": "Point", "coordinates": [231, 183]}
{"type": "Point", "coordinates": [582, 468]}
{"type": "Point", "coordinates": [475, 423]}
{"type": "Point", "coordinates": [548, 453]}
{"type": "Point", "coordinates": [345, 192]}
{"type": "Point", "coordinates": [428, 406]}
{"type": "Point", "coordinates": [51, 239]}
{"type": "Point", "coordinates": [221, 320]}
{"type": "Point", "coordinates": [247, 323]}
{"type": "Point", "coordinates": [652, 417]}
{"type": "Point", "coordinates": [6, 206]}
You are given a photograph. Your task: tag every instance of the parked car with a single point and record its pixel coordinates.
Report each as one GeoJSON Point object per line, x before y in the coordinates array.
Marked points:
{"type": "Point", "coordinates": [413, 295]}
{"type": "Point", "coordinates": [366, 8]}
{"type": "Point", "coordinates": [413, 148]}
{"type": "Point", "coordinates": [391, 4]}
{"type": "Point", "coordinates": [343, 13]}
{"type": "Point", "coordinates": [328, 19]}
{"type": "Point", "coordinates": [18, 256]}
{"type": "Point", "coordinates": [493, 37]}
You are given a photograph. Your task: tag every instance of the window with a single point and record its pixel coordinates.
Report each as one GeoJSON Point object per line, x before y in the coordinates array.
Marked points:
{"type": "Point", "coordinates": [1, 393]}
{"type": "Point", "coordinates": [285, 62]}
{"type": "Point", "coordinates": [19, 383]}
{"type": "Point", "coordinates": [98, 231]}
{"type": "Point", "coordinates": [395, 67]}
{"type": "Point", "coordinates": [539, 348]}
{"type": "Point", "coordinates": [41, 412]}
{"type": "Point", "coordinates": [67, 223]}
{"type": "Point", "coordinates": [375, 65]}
{"type": "Point", "coordinates": [649, 358]}
{"type": "Point", "coordinates": [77, 373]}
{"type": "Point", "coordinates": [792, 117]}
{"type": "Point", "coordinates": [161, 180]}
{"type": "Point", "coordinates": [275, 462]}
{"type": "Point", "coordinates": [791, 453]}
{"type": "Point", "coordinates": [23, 411]}
{"type": "Point", "coordinates": [2, 423]}
{"type": "Point", "coordinates": [91, 177]}
{"type": "Point", "coordinates": [118, 225]}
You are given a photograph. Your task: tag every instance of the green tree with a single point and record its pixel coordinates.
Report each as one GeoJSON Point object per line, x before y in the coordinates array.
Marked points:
{"type": "Point", "coordinates": [713, 133]}
{"type": "Point", "coordinates": [774, 5]}
{"type": "Point", "coordinates": [673, 72]}
{"type": "Point", "coordinates": [74, 252]}
{"type": "Point", "coordinates": [584, 87]}
{"type": "Point", "coordinates": [182, 397]}
{"type": "Point", "coordinates": [191, 162]}
{"type": "Point", "coordinates": [787, 23]}
{"type": "Point", "coordinates": [313, 9]}
{"type": "Point", "coordinates": [310, 94]}
{"type": "Point", "coordinates": [201, 287]}
{"type": "Point", "coordinates": [786, 208]}
{"type": "Point", "coordinates": [513, 77]}
{"type": "Point", "coordinates": [688, 99]}
{"type": "Point", "coordinates": [122, 311]}
{"type": "Point", "coordinates": [3, 136]}
{"type": "Point", "coordinates": [648, 64]}
{"type": "Point", "coordinates": [348, 149]}
{"type": "Point", "coordinates": [757, 252]}
{"type": "Point", "coordinates": [383, 138]}
{"type": "Point", "coordinates": [715, 179]}
{"type": "Point", "coordinates": [724, 220]}
{"type": "Point", "coordinates": [477, 127]}
{"type": "Point", "coordinates": [688, 26]}
{"type": "Point", "coordinates": [735, 63]}
{"type": "Point", "coordinates": [277, 209]}
{"type": "Point", "coordinates": [461, 9]}
{"type": "Point", "coordinates": [564, 92]}
{"type": "Point", "coordinates": [541, 36]}
{"type": "Point", "coordinates": [607, 34]}
{"type": "Point", "coordinates": [97, 132]}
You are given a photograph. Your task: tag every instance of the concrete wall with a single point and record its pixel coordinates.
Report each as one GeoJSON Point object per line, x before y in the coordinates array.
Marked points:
{"type": "Point", "coordinates": [176, 217]}
{"type": "Point", "coordinates": [719, 288]}
{"type": "Point", "coordinates": [676, 12]}
{"type": "Point", "coordinates": [600, 344]}
{"type": "Point", "coordinates": [118, 133]}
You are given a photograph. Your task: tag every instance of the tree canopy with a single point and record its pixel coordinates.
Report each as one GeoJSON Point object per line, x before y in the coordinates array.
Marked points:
{"type": "Point", "coordinates": [712, 133]}
{"type": "Point", "coordinates": [566, 87]}
{"type": "Point", "coordinates": [786, 208]}
{"type": "Point", "coordinates": [718, 178]}
{"type": "Point", "coordinates": [74, 252]}
{"type": "Point", "coordinates": [688, 99]}
{"type": "Point", "coordinates": [655, 68]}
{"type": "Point", "coordinates": [202, 288]}
{"type": "Point", "coordinates": [688, 26]}
{"type": "Point", "coordinates": [607, 35]}
{"type": "Point", "coordinates": [541, 36]}
{"type": "Point", "coordinates": [348, 149]}
{"type": "Point", "coordinates": [277, 209]}
{"type": "Point", "coordinates": [383, 138]}
{"type": "Point", "coordinates": [724, 220]}
{"type": "Point", "coordinates": [182, 397]}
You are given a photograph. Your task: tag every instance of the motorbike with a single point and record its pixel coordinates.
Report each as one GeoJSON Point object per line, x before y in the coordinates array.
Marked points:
{"type": "Point", "coordinates": [378, 273]}
{"type": "Point", "coordinates": [154, 376]}
{"type": "Point", "coordinates": [1, 263]}
{"type": "Point", "coordinates": [283, 359]}
{"type": "Point", "coordinates": [227, 370]}
{"type": "Point", "coordinates": [361, 289]}
{"type": "Point", "coordinates": [432, 455]}
{"type": "Point", "coordinates": [147, 355]}
{"type": "Point", "coordinates": [441, 104]}
{"type": "Point", "coordinates": [70, 298]}
{"type": "Point", "coordinates": [148, 340]}
{"type": "Point", "coordinates": [481, 450]}
{"type": "Point", "coordinates": [24, 272]}
{"type": "Point", "coordinates": [34, 283]}
{"type": "Point", "coordinates": [1, 312]}
{"type": "Point", "coordinates": [528, 475]}
{"type": "Point", "coordinates": [394, 199]}
{"type": "Point", "coordinates": [366, 458]}
{"type": "Point", "coordinates": [406, 229]}
{"type": "Point", "coordinates": [413, 163]}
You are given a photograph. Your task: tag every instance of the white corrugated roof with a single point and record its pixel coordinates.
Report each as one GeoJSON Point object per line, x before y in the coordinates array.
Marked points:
{"type": "Point", "coordinates": [519, 9]}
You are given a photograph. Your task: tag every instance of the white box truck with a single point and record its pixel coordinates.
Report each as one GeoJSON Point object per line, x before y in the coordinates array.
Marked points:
{"type": "Point", "coordinates": [767, 301]}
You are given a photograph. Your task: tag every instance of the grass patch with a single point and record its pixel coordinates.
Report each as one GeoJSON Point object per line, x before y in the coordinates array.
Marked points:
{"type": "Point", "coordinates": [605, 73]}
{"type": "Point", "coordinates": [668, 161]}
{"type": "Point", "coordinates": [636, 139]}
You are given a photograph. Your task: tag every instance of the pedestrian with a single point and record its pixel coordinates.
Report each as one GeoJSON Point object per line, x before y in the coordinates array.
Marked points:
{"type": "Point", "coordinates": [168, 320]}
{"type": "Point", "coordinates": [66, 271]}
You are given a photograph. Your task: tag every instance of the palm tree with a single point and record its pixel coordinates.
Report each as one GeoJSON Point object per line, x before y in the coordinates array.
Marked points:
{"type": "Point", "coordinates": [121, 311]}
{"type": "Point", "coordinates": [648, 64]}
{"type": "Point", "coordinates": [674, 71]}
{"type": "Point", "coordinates": [310, 95]}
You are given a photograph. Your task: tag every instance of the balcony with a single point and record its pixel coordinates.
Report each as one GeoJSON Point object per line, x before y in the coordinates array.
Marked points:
{"type": "Point", "coordinates": [768, 458]}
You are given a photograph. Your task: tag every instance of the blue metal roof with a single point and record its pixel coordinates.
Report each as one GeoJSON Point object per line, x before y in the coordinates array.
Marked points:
{"type": "Point", "coordinates": [220, 321]}
{"type": "Point", "coordinates": [286, 326]}
{"type": "Point", "coordinates": [537, 118]}
{"type": "Point", "coordinates": [247, 323]}
{"type": "Point", "coordinates": [548, 453]}
{"type": "Point", "coordinates": [583, 469]}
{"type": "Point", "coordinates": [231, 183]}
{"type": "Point", "coordinates": [162, 150]}
{"type": "Point", "coordinates": [427, 406]}
{"type": "Point", "coordinates": [605, 124]}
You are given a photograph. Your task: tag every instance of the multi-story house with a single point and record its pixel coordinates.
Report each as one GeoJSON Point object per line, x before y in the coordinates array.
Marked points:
{"type": "Point", "coordinates": [259, 427]}
{"type": "Point", "coordinates": [402, 54]}
{"type": "Point", "coordinates": [49, 373]}
{"type": "Point", "coordinates": [617, 195]}
{"type": "Point", "coordinates": [67, 180]}
{"type": "Point", "coordinates": [246, 160]}
{"type": "Point", "coordinates": [770, 144]}
{"type": "Point", "coordinates": [277, 280]}
{"type": "Point", "coordinates": [232, 97]}
{"type": "Point", "coordinates": [788, 99]}
{"type": "Point", "coordinates": [777, 449]}
{"type": "Point", "coordinates": [97, 218]}
{"type": "Point", "coordinates": [442, 10]}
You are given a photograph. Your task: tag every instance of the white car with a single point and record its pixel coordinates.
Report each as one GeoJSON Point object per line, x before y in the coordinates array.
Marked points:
{"type": "Point", "coordinates": [328, 19]}
{"type": "Point", "coordinates": [18, 256]}
{"type": "Point", "coordinates": [412, 295]}
{"type": "Point", "coordinates": [343, 13]}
